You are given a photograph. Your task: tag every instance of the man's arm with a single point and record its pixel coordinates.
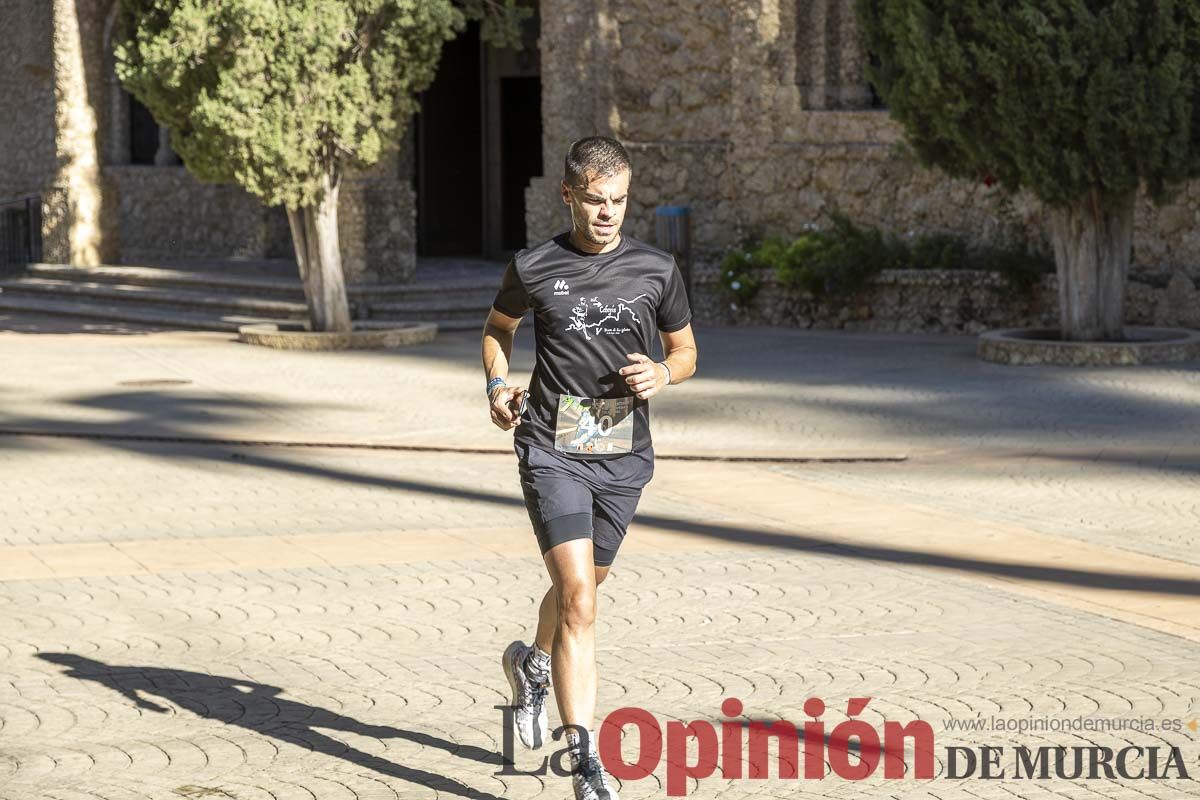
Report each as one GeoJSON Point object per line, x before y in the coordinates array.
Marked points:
{"type": "Point", "coordinates": [647, 378]}
{"type": "Point", "coordinates": [680, 347]}
{"type": "Point", "coordinates": [497, 352]}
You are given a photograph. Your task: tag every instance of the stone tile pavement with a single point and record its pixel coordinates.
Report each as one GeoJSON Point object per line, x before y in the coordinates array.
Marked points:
{"type": "Point", "coordinates": [180, 619]}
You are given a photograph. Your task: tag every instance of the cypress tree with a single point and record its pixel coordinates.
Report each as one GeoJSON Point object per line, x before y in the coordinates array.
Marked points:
{"type": "Point", "coordinates": [282, 96]}
{"type": "Point", "coordinates": [1081, 102]}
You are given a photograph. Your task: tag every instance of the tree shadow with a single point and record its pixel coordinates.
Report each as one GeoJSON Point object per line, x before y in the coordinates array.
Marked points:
{"type": "Point", "coordinates": [263, 459]}
{"type": "Point", "coordinates": [259, 708]}
{"type": "Point", "coordinates": [1096, 579]}
{"type": "Point", "coordinates": [23, 322]}
{"type": "Point", "coordinates": [161, 416]}
{"type": "Point", "coordinates": [134, 416]}
{"type": "Point", "coordinates": [915, 389]}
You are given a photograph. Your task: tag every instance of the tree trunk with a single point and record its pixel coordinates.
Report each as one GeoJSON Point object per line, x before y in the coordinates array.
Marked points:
{"type": "Point", "coordinates": [315, 238]}
{"type": "Point", "coordinates": [1093, 239]}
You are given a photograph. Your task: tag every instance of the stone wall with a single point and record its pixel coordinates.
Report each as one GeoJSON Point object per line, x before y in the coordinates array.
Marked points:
{"type": "Point", "coordinates": [675, 118]}
{"type": "Point", "coordinates": [377, 221]}
{"type": "Point", "coordinates": [752, 113]}
{"type": "Point", "coordinates": [27, 154]}
{"type": "Point", "coordinates": [167, 214]}
{"type": "Point", "coordinates": [937, 301]}
{"type": "Point", "coordinates": [49, 143]}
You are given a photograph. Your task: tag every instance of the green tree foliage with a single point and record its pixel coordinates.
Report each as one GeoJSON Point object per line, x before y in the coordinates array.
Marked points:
{"type": "Point", "coordinates": [282, 96]}
{"type": "Point", "coordinates": [1060, 97]}
{"type": "Point", "coordinates": [1082, 102]}
{"type": "Point", "coordinates": [271, 93]}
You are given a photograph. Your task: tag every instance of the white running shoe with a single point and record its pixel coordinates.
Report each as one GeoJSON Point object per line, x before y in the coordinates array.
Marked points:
{"type": "Point", "coordinates": [528, 697]}
{"type": "Point", "coordinates": [590, 780]}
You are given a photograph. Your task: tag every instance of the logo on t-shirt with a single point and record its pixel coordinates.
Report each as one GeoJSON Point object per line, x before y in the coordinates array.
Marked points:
{"type": "Point", "coordinates": [561, 287]}
{"type": "Point", "coordinates": [591, 317]}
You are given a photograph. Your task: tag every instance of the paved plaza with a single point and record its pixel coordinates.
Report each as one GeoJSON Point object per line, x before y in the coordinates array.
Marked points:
{"type": "Point", "coordinates": [232, 572]}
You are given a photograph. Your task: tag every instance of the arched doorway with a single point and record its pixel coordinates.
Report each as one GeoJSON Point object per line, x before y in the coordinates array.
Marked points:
{"type": "Point", "coordinates": [478, 143]}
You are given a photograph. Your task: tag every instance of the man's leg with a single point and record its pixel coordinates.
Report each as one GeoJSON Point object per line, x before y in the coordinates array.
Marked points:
{"type": "Point", "coordinates": [574, 573]}
{"type": "Point", "coordinates": [559, 507]}
{"type": "Point", "coordinates": [572, 631]}
{"type": "Point", "coordinates": [611, 515]}
{"type": "Point", "coordinates": [548, 613]}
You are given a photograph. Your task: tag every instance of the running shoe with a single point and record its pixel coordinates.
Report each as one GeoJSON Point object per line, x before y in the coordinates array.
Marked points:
{"type": "Point", "coordinates": [528, 697]}
{"type": "Point", "coordinates": [590, 780]}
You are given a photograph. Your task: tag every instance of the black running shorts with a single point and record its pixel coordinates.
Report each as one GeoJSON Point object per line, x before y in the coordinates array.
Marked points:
{"type": "Point", "coordinates": [571, 498]}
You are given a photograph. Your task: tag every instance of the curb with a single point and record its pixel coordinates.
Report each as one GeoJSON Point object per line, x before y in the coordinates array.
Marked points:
{"type": "Point", "coordinates": [1031, 346]}
{"type": "Point", "coordinates": [294, 337]}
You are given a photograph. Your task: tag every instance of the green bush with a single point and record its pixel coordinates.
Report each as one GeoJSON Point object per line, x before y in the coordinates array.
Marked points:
{"type": "Point", "coordinates": [939, 251]}
{"type": "Point", "coordinates": [842, 259]}
{"type": "Point", "coordinates": [1021, 267]}
{"type": "Point", "coordinates": [741, 276]}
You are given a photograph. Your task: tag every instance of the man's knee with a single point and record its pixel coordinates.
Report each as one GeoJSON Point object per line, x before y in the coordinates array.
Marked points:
{"type": "Point", "coordinates": [577, 606]}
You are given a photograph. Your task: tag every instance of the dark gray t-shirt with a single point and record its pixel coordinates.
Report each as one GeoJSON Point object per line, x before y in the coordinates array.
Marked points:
{"type": "Point", "coordinates": [590, 311]}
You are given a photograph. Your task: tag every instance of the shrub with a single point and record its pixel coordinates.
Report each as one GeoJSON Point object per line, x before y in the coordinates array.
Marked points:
{"type": "Point", "coordinates": [842, 259]}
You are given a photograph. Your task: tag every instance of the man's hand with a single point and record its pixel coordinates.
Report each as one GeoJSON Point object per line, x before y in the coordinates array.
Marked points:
{"type": "Point", "coordinates": [644, 376]}
{"type": "Point", "coordinates": [506, 400]}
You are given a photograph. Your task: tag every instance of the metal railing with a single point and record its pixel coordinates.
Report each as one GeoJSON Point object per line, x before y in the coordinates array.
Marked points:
{"type": "Point", "coordinates": [20, 234]}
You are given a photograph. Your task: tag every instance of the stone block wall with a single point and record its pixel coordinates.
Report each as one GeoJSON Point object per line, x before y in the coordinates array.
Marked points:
{"type": "Point", "coordinates": [377, 221]}
{"type": "Point", "coordinates": [166, 213]}
{"type": "Point", "coordinates": [655, 75]}
{"type": "Point", "coordinates": [27, 151]}
{"type": "Point", "coordinates": [937, 301]}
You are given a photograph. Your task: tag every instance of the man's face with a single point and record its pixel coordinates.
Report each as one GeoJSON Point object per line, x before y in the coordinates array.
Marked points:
{"type": "Point", "coordinates": [598, 210]}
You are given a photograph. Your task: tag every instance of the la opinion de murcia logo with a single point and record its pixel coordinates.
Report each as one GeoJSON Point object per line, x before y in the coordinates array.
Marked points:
{"type": "Point", "coordinates": [561, 287]}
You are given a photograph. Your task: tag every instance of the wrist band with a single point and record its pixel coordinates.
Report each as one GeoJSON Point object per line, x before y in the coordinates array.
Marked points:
{"type": "Point", "coordinates": [663, 364]}
{"type": "Point", "coordinates": [493, 383]}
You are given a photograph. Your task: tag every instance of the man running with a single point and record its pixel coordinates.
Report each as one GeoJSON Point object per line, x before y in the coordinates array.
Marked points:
{"type": "Point", "coordinates": [583, 426]}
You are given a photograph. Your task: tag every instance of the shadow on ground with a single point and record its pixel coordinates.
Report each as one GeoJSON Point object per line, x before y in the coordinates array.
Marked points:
{"type": "Point", "coordinates": [163, 415]}
{"type": "Point", "coordinates": [259, 707]}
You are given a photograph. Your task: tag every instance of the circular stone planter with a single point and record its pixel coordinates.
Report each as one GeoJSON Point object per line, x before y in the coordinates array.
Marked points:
{"type": "Point", "coordinates": [1042, 346]}
{"type": "Point", "coordinates": [286, 336]}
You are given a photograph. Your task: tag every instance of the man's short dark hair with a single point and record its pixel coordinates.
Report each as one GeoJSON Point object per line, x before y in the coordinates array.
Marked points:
{"type": "Point", "coordinates": [594, 157]}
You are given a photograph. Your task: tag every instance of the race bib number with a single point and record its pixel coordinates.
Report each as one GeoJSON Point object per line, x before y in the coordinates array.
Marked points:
{"type": "Point", "coordinates": [594, 424]}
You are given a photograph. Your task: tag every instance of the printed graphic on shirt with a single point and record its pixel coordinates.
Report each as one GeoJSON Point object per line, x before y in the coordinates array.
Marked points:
{"type": "Point", "coordinates": [592, 318]}
{"type": "Point", "coordinates": [590, 311]}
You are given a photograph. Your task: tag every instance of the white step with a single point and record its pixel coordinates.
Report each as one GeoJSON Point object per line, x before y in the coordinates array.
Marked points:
{"type": "Point", "coordinates": [173, 318]}
{"type": "Point", "coordinates": [109, 292]}
{"type": "Point", "coordinates": [147, 315]}
{"type": "Point", "coordinates": [254, 285]}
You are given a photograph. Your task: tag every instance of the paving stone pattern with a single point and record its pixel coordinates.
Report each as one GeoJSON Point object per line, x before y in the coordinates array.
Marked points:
{"type": "Point", "coordinates": [380, 681]}
{"type": "Point", "coordinates": [367, 666]}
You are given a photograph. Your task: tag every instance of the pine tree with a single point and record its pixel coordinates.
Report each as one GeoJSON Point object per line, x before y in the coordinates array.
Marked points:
{"type": "Point", "coordinates": [1081, 102]}
{"type": "Point", "coordinates": [283, 96]}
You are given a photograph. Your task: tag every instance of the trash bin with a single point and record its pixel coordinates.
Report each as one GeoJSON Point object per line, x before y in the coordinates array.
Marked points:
{"type": "Point", "coordinates": [673, 231]}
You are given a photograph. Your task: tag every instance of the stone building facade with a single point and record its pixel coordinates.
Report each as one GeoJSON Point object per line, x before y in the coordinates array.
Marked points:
{"type": "Point", "coordinates": [755, 113]}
